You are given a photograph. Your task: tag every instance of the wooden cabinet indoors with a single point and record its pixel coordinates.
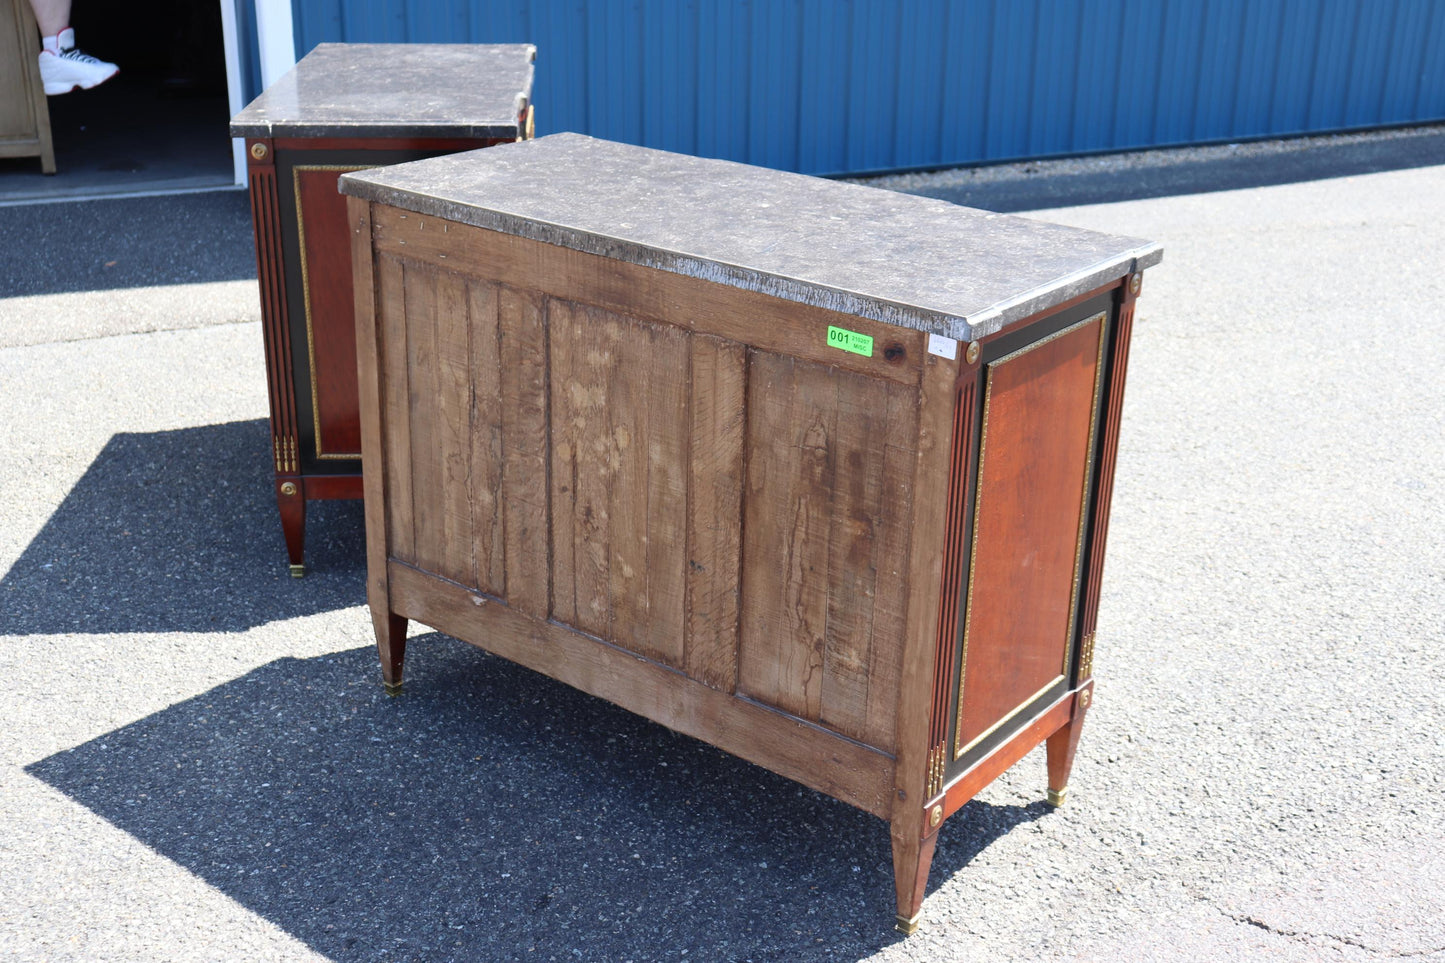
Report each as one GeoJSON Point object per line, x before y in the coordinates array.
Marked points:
{"type": "Point", "coordinates": [348, 107]}
{"type": "Point", "coordinates": [815, 472]}
{"type": "Point", "coordinates": [24, 111]}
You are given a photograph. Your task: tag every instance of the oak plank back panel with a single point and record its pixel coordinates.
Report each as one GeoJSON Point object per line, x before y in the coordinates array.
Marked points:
{"type": "Point", "coordinates": [826, 544]}
{"type": "Point", "coordinates": [620, 424]}
{"type": "Point", "coordinates": [652, 444]}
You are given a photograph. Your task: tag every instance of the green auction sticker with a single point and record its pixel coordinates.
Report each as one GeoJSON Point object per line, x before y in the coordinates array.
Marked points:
{"type": "Point", "coordinates": [850, 341]}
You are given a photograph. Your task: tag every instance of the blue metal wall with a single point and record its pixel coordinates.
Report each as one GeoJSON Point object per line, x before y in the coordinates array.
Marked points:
{"type": "Point", "coordinates": [828, 86]}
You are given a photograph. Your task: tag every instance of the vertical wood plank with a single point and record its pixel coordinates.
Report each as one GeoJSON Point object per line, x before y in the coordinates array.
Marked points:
{"type": "Point", "coordinates": [566, 425]}
{"type": "Point", "coordinates": [582, 356]}
{"type": "Point", "coordinates": [789, 482]}
{"type": "Point", "coordinates": [396, 443]}
{"type": "Point", "coordinates": [661, 635]}
{"type": "Point", "coordinates": [525, 438]}
{"type": "Point", "coordinates": [622, 459]}
{"type": "Point", "coordinates": [593, 355]}
{"type": "Point", "coordinates": [454, 554]}
{"type": "Point", "coordinates": [419, 283]}
{"type": "Point", "coordinates": [484, 456]}
{"type": "Point", "coordinates": [719, 379]}
{"type": "Point", "coordinates": [852, 553]}
{"type": "Point", "coordinates": [890, 611]}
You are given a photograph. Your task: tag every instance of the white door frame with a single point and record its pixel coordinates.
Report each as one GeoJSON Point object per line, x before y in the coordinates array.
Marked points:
{"type": "Point", "coordinates": [276, 41]}
{"type": "Point", "coordinates": [234, 94]}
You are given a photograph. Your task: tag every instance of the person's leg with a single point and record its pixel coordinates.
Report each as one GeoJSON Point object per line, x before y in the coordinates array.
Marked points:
{"type": "Point", "coordinates": [62, 67]}
{"type": "Point", "coordinates": [51, 16]}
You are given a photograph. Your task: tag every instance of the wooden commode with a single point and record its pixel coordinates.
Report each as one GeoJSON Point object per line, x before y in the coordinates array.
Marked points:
{"type": "Point", "coordinates": [814, 472]}
{"type": "Point", "coordinates": [347, 107]}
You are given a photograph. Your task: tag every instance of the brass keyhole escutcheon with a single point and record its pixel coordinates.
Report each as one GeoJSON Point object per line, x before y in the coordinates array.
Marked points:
{"type": "Point", "coordinates": [258, 151]}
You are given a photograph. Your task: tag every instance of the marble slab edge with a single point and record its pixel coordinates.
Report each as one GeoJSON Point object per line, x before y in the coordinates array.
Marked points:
{"type": "Point", "coordinates": [489, 130]}
{"type": "Point", "coordinates": [980, 324]}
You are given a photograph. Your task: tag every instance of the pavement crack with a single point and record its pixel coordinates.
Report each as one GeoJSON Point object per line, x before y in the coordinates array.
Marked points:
{"type": "Point", "coordinates": [1258, 923]}
{"type": "Point", "coordinates": [135, 333]}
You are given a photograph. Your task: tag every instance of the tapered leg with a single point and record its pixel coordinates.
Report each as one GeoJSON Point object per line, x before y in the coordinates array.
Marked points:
{"type": "Point", "coordinates": [911, 859]}
{"type": "Point", "coordinates": [292, 503]}
{"type": "Point", "coordinates": [1061, 749]}
{"type": "Point", "coordinates": [391, 646]}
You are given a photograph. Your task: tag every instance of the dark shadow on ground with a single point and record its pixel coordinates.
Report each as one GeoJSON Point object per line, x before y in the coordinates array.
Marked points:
{"type": "Point", "coordinates": [1167, 176]}
{"type": "Point", "coordinates": [489, 813]}
{"type": "Point", "coordinates": [103, 245]}
{"type": "Point", "coordinates": [177, 531]}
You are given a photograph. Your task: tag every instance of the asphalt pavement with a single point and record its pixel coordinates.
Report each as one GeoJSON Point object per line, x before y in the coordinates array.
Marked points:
{"type": "Point", "coordinates": [198, 762]}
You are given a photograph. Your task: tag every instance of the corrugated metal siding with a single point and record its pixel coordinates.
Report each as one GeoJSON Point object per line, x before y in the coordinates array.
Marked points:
{"type": "Point", "coordinates": [830, 86]}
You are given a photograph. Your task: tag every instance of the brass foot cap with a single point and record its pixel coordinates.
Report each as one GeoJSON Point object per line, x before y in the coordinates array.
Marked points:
{"type": "Point", "coordinates": [392, 688]}
{"type": "Point", "coordinates": [298, 570]}
{"type": "Point", "coordinates": [1057, 796]}
{"type": "Point", "coordinates": [908, 926]}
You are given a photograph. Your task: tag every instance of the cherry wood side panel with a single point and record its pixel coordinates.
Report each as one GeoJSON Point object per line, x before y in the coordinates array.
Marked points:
{"type": "Point", "coordinates": [1033, 474]}
{"type": "Point", "coordinates": [827, 501]}
{"type": "Point", "coordinates": [791, 747]}
{"type": "Point", "coordinates": [620, 441]}
{"type": "Point", "coordinates": [329, 310]}
{"type": "Point", "coordinates": [747, 317]}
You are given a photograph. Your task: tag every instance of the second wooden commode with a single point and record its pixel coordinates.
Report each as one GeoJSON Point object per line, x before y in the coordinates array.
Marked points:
{"type": "Point", "coordinates": [347, 107]}
{"type": "Point", "coordinates": [815, 472]}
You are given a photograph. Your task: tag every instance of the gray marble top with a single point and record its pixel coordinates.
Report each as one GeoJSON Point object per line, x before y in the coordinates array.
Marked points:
{"type": "Point", "coordinates": [396, 90]}
{"type": "Point", "coordinates": [897, 258]}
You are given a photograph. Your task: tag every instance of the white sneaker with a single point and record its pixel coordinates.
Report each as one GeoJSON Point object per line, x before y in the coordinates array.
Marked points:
{"type": "Point", "coordinates": [64, 68]}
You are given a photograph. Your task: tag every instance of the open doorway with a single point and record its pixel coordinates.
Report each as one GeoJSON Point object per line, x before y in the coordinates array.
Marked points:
{"type": "Point", "coordinates": [160, 125]}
